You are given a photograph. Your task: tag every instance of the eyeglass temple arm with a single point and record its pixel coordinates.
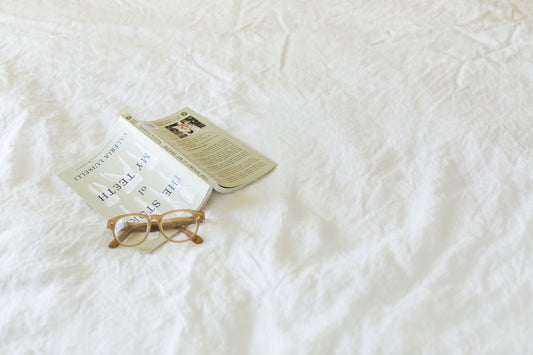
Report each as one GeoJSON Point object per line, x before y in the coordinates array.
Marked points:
{"type": "Point", "coordinates": [155, 227]}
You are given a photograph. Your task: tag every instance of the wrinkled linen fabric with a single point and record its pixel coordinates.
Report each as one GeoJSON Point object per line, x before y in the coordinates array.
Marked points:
{"type": "Point", "coordinates": [399, 219]}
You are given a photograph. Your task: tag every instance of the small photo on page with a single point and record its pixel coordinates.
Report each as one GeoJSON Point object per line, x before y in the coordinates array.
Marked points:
{"type": "Point", "coordinates": [185, 127]}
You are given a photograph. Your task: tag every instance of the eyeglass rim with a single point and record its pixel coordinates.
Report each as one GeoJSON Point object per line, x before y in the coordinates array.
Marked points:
{"type": "Point", "coordinates": [200, 217]}
{"type": "Point", "coordinates": [111, 224]}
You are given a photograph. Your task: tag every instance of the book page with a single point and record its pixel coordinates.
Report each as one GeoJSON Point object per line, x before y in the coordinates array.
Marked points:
{"type": "Point", "coordinates": [222, 157]}
{"type": "Point", "coordinates": [129, 173]}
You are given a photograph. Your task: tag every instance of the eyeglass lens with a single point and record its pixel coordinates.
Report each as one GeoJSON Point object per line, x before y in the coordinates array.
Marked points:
{"type": "Point", "coordinates": [179, 226]}
{"type": "Point", "coordinates": [131, 230]}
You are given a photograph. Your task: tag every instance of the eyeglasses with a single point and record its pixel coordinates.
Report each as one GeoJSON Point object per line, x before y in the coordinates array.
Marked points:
{"type": "Point", "coordinates": [177, 226]}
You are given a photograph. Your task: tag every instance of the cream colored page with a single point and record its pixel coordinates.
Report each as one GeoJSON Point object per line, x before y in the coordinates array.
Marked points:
{"type": "Point", "coordinates": [221, 156]}
{"type": "Point", "coordinates": [153, 133]}
{"type": "Point", "coordinates": [129, 173]}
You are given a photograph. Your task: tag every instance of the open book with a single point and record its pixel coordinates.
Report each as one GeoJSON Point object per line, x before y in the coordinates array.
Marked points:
{"type": "Point", "coordinates": [157, 166]}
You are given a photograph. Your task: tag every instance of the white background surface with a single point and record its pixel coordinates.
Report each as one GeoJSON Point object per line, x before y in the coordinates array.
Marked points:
{"type": "Point", "coordinates": [399, 218]}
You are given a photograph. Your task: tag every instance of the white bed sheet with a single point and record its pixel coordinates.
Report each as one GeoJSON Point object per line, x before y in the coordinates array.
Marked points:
{"type": "Point", "coordinates": [399, 218]}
